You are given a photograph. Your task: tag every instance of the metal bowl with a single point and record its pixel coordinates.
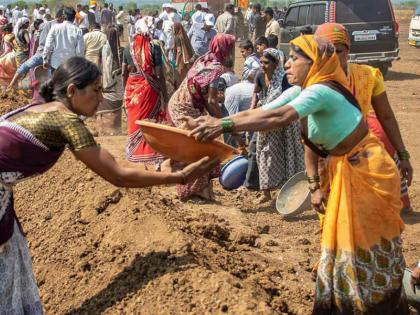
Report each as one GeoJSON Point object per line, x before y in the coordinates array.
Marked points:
{"type": "Point", "coordinates": [294, 197]}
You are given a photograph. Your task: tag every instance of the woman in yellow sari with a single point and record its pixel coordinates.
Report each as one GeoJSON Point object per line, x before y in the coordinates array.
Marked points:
{"type": "Point", "coordinates": [367, 85]}
{"type": "Point", "coordinates": [361, 265]}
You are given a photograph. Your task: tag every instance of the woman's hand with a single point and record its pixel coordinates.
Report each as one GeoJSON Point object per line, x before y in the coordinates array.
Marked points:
{"type": "Point", "coordinates": [188, 123]}
{"type": "Point", "coordinates": [197, 169]}
{"type": "Point", "coordinates": [406, 171]}
{"type": "Point", "coordinates": [318, 201]}
{"type": "Point", "coordinates": [208, 128]}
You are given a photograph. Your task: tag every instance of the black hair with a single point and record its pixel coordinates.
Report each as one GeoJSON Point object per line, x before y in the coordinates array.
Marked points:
{"type": "Point", "coordinates": [262, 40]}
{"type": "Point", "coordinates": [198, 7]}
{"type": "Point", "coordinates": [106, 5]}
{"type": "Point", "coordinates": [273, 41]}
{"type": "Point", "coordinates": [8, 28]}
{"type": "Point", "coordinates": [246, 44]}
{"type": "Point", "coordinates": [269, 11]}
{"type": "Point", "coordinates": [257, 7]}
{"type": "Point", "coordinates": [95, 25]}
{"type": "Point", "coordinates": [37, 23]}
{"type": "Point", "coordinates": [75, 70]}
{"type": "Point", "coordinates": [300, 52]}
{"type": "Point", "coordinates": [229, 7]}
{"type": "Point", "coordinates": [59, 13]}
{"type": "Point", "coordinates": [69, 14]}
{"type": "Point", "coordinates": [269, 57]}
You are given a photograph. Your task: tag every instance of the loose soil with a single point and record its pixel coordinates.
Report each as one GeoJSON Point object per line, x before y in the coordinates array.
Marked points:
{"type": "Point", "coordinates": [98, 249]}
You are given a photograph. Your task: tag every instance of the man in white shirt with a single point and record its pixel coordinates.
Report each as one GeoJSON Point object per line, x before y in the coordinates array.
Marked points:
{"type": "Point", "coordinates": [272, 26]}
{"type": "Point", "coordinates": [119, 18]}
{"type": "Point", "coordinates": [25, 12]}
{"type": "Point", "coordinates": [65, 40]}
{"type": "Point", "coordinates": [225, 22]}
{"type": "Point", "coordinates": [94, 41]}
{"type": "Point", "coordinates": [83, 21]}
{"type": "Point", "coordinates": [16, 15]}
{"type": "Point", "coordinates": [198, 16]}
{"type": "Point", "coordinates": [41, 13]}
{"type": "Point", "coordinates": [47, 9]}
{"type": "Point", "coordinates": [165, 12]}
{"type": "Point", "coordinates": [36, 11]}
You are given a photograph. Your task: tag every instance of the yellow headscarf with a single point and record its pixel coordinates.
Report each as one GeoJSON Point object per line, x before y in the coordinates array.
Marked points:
{"type": "Point", "coordinates": [326, 65]}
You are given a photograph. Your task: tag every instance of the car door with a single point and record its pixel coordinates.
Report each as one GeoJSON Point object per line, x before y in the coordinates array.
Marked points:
{"type": "Point", "coordinates": [317, 15]}
{"type": "Point", "coordinates": [371, 25]}
{"type": "Point", "coordinates": [288, 30]}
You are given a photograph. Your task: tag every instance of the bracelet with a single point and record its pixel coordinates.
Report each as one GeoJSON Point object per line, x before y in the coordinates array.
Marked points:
{"type": "Point", "coordinates": [228, 125]}
{"type": "Point", "coordinates": [313, 179]}
{"type": "Point", "coordinates": [403, 155]}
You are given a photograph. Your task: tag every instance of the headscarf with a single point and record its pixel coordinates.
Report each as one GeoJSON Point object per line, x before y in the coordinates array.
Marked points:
{"type": "Point", "coordinates": [277, 55]}
{"type": "Point", "coordinates": [187, 51]}
{"type": "Point", "coordinates": [275, 88]}
{"type": "Point", "coordinates": [326, 65]}
{"type": "Point", "coordinates": [209, 67]}
{"type": "Point", "coordinates": [220, 47]}
{"type": "Point", "coordinates": [21, 21]}
{"type": "Point", "coordinates": [334, 32]}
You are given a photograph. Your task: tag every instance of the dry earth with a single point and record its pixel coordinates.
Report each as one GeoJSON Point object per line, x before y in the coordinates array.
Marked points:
{"type": "Point", "coordinates": [99, 249]}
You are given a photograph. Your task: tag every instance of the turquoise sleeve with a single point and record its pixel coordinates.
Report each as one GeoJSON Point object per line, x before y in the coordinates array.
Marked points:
{"type": "Point", "coordinates": [310, 101]}
{"type": "Point", "coordinates": [286, 97]}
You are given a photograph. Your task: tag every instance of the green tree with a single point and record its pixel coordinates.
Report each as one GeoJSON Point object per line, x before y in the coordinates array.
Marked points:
{"type": "Point", "coordinates": [131, 6]}
{"type": "Point", "coordinates": [19, 3]}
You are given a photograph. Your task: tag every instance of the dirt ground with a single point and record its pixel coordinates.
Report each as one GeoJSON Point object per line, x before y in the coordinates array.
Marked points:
{"type": "Point", "coordinates": [99, 249]}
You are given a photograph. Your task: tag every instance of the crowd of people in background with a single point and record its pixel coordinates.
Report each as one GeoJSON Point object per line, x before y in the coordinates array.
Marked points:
{"type": "Point", "coordinates": [177, 68]}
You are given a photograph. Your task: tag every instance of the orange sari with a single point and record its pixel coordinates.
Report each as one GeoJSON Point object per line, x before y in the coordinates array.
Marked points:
{"type": "Point", "coordinates": [365, 83]}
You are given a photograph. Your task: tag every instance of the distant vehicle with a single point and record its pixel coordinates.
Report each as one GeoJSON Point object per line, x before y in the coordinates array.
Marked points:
{"type": "Point", "coordinates": [372, 27]}
{"type": "Point", "coordinates": [414, 33]}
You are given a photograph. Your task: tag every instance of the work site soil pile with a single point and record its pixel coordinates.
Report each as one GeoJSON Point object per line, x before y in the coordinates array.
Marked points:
{"type": "Point", "coordinates": [11, 100]}
{"type": "Point", "coordinates": [99, 249]}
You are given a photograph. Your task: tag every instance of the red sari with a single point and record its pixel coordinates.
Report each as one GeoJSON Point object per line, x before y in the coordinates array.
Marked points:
{"type": "Point", "coordinates": [143, 101]}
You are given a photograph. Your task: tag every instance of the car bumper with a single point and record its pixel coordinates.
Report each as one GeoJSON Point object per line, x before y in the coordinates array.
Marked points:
{"type": "Point", "coordinates": [375, 57]}
{"type": "Point", "coordinates": [414, 41]}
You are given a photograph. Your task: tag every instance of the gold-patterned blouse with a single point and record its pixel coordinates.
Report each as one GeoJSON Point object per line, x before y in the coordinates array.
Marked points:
{"type": "Point", "coordinates": [56, 129]}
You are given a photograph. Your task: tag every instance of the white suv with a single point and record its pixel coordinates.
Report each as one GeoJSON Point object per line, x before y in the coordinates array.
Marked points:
{"type": "Point", "coordinates": [414, 33]}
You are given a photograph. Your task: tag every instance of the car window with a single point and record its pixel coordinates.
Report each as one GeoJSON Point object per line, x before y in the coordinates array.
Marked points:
{"type": "Point", "coordinates": [303, 15]}
{"type": "Point", "coordinates": [317, 14]}
{"type": "Point", "coordinates": [355, 11]}
{"type": "Point", "coordinates": [292, 15]}
{"type": "Point", "coordinates": [417, 11]}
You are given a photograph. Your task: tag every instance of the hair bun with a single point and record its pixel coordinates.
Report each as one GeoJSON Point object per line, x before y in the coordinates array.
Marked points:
{"type": "Point", "coordinates": [47, 90]}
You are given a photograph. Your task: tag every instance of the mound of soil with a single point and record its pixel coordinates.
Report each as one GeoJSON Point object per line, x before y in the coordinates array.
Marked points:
{"type": "Point", "coordinates": [101, 249]}
{"type": "Point", "coordinates": [11, 100]}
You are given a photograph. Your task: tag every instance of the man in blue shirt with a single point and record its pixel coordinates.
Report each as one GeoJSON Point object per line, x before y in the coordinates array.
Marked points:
{"type": "Point", "coordinates": [201, 35]}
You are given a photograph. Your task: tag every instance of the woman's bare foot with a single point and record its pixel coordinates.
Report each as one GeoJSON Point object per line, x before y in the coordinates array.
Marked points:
{"type": "Point", "coordinates": [264, 198]}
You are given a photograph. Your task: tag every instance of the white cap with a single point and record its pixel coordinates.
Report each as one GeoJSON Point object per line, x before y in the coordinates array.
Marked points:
{"type": "Point", "coordinates": [209, 19]}
{"type": "Point", "coordinates": [165, 5]}
{"type": "Point", "coordinates": [1, 7]}
{"type": "Point", "coordinates": [93, 6]}
{"type": "Point", "coordinates": [41, 9]}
